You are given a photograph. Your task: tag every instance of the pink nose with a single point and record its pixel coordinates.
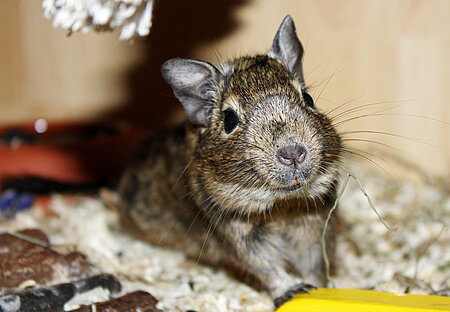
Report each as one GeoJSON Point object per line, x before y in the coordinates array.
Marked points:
{"type": "Point", "coordinates": [291, 155]}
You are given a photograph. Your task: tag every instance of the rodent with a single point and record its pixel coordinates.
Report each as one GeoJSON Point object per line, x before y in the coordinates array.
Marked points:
{"type": "Point", "coordinates": [249, 178]}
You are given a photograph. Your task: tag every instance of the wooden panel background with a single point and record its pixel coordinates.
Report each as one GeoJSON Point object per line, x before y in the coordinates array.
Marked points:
{"type": "Point", "coordinates": [368, 51]}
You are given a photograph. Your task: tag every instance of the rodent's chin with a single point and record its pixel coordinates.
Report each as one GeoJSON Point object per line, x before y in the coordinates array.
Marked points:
{"type": "Point", "coordinates": [291, 188]}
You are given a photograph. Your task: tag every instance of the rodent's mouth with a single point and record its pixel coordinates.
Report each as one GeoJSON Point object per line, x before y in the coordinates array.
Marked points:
{"type": "Point", "coordinates": [292, 181]}
{"type": "Point", "coordinates": [291, 188]}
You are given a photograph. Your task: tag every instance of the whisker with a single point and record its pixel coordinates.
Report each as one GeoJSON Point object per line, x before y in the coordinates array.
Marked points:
{"type": "Point", "coordinates": [367, 94]}
{"type": "Point", "coordinates": [362, 156]}
{"type": "Point", "coordinates": [321, 64]}
{"type": "Point", "coordinates": [377, 114]}
{"type": "Point", "coordinates": [371, 141]}
{"type": "Point", "coordinates": [328, 80]}
{"type": "Point", "coordinates": [179, 177]}
{"type": "Point", "coordinates": [367, 106]}
{"type": "Point", "coordinates": [383, 133]}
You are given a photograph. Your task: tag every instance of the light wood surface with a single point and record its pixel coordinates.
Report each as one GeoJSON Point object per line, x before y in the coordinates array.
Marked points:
{"type": "Point", "coordinates": [360, 51]}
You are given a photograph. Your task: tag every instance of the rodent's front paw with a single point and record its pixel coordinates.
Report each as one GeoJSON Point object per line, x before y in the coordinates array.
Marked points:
{"type": "Point", "coordinates": [301, 288]}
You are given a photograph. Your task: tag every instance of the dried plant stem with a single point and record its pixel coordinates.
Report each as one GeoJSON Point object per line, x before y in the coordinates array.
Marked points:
{"type": "Point", "coordinates": [419, 255]}
{"type": "Point", "coordinates": [30, 239]}
{"type": "Point", "coordinates": [327, 221]}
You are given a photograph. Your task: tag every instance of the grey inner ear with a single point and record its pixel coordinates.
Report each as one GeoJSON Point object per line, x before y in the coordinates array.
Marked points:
{"type": "Point", "coordinates": [194, 84]}
{"type": "Point", "coordinates": [287, 49]}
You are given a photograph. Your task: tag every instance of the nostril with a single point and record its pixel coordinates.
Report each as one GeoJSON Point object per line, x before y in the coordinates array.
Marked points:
{"type": "Point", "coordinates": [301, 155]}
{"type": "Point", "coordinates": [291, 154]}
{"type": "Point", "coordinates": [284, 159]}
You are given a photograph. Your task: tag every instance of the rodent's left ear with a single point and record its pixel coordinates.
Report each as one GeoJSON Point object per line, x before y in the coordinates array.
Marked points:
{"type": "Point", "coordinates": [193, 83]}
{"type": "Point", "coordinates": [287, 49]}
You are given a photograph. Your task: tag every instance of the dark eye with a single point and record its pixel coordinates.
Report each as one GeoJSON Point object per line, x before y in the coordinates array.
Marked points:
{"type": "Point", "coordinates": [308, 99]}
{"type": "Point", "coordinates": [230, 120]}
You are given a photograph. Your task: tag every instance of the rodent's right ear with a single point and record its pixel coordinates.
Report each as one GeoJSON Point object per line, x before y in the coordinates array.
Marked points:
{"type": "Point", "coordinates": [287, 49]}
{"type": "Point", "coordinates": [193, 83]}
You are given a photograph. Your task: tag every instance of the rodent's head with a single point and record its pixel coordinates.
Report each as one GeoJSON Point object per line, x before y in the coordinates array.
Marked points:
{"type": "Point", "coordinates": [257, 136]}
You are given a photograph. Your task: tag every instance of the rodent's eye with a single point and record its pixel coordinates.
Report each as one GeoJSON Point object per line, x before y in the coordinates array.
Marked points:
{"type": "Point", "coordinates": [230, 120]}
{"type": "Point", "coordinates": [308, 99]}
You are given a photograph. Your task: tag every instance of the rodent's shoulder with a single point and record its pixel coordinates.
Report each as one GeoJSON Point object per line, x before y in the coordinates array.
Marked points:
{"type": "Point", "coordinates": [164, 142]}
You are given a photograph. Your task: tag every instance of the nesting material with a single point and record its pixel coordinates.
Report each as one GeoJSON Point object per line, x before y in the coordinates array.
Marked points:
{"type": "Point", "coordinates": [132, 17]}
{"type": "Point", "coordinates": [413, 259]}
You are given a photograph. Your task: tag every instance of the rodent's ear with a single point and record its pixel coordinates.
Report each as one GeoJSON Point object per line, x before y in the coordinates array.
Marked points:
{"type": "Point", "coordinates": [193, 83]}
{"type": "Point", "coordinates": [287, 49]}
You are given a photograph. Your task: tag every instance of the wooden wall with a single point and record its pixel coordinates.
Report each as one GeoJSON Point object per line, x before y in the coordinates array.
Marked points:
{"type": "Point", "coordinates": [395, 53]}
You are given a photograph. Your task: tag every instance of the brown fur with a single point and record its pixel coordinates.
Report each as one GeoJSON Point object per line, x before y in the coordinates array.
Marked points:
{"type": "Point", "coordinates": [225, 198]}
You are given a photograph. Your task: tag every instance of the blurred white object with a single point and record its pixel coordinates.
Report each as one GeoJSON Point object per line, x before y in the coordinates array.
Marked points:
{"type": "Point", "coordinates": [133, 17]}
{"type": "Point", "coordinates": [40, 125]}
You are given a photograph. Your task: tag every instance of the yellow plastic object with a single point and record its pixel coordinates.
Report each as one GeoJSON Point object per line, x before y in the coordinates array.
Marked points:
{"type": "Point", "coordinates": [348, 300]}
